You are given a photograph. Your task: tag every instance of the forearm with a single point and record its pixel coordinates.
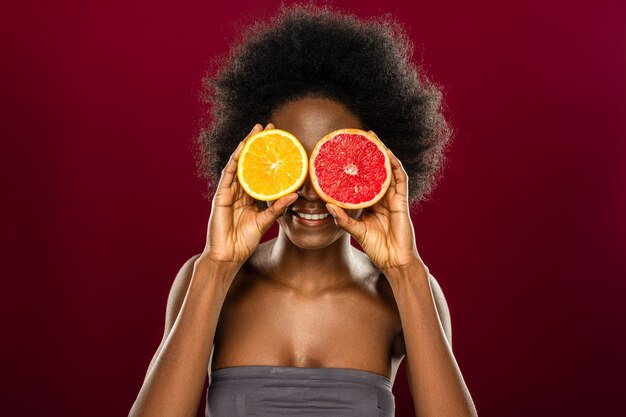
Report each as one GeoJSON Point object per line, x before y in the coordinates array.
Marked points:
{"type": "Point", "coordinates": [437, 386]}
{"type": "Point", "coordinates": [174, 383]}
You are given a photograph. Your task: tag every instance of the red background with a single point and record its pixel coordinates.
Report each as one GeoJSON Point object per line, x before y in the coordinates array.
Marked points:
{"type": "Point", "coordinates": [526, 232]}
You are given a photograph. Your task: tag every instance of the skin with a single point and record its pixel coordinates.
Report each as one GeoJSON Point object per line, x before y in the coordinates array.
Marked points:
{"type": "Point", "coordinates": [306, 298]}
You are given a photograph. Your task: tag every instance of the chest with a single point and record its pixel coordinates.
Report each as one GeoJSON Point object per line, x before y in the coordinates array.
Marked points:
{"type": "Point", "coordinates": [354, 328]}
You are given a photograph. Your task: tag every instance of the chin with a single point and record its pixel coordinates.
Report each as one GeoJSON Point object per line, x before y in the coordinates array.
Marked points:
{"type": "Point", "coordinates": [309, 239]}
{"type": "Point", "coordinates": [308, 243]}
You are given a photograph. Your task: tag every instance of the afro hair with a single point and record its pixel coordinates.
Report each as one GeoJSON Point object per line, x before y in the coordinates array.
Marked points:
{"type": "Point", "coordinates": [308, 50]}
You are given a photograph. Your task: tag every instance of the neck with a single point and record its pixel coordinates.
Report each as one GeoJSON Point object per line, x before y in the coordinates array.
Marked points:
{"type": "Point", "coordinates": [311, 270]}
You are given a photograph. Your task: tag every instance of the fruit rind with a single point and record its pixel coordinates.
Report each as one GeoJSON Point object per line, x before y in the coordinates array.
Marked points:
{"type": "Point", "coordinates": [346, 205]}
{"type": "Point", "coordinates": [244, 151]}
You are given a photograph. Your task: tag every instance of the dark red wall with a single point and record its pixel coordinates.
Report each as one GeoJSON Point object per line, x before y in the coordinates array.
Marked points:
{"type": "Point", "coordinates": [526, 232]}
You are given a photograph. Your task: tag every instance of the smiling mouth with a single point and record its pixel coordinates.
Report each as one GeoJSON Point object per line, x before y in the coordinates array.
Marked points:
{"type": "Point", "coordinates": [311, 217]}
{"type": "Point", "coordinates": [319, 216]}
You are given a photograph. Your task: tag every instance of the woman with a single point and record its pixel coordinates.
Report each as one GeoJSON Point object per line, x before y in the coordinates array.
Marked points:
{"type": "Point", "coordinates": [305, 323]}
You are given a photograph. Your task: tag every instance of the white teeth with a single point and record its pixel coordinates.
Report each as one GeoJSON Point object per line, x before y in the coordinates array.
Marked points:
{"type": "Point", "coordinates": [313, 216]}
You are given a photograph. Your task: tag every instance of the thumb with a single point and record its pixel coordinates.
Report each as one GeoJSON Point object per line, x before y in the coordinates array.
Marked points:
{"type": "Point", "coordinates": [347, 223]}
{"type": "Point", "coordinates": [267, 217]}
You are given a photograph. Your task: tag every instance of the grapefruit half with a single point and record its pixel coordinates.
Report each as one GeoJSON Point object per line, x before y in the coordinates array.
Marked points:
{"type": "Point", "coordinates": [350, 168]}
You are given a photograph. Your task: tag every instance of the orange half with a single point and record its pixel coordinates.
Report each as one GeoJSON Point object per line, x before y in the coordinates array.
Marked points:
{"type": "Point", "coordinates": [272, 164]}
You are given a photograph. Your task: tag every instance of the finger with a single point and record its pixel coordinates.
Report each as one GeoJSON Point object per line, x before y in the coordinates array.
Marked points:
{"type": "Point", "coordinates": [347, 223]}
{"type": "Point", "coordinates": [270, 126]}
{"type": "Point", "coordinates": [392, 181]}
{"type": "Point", "coordinates": [268, 216]}
{"type": "Point", "coordinates": [400, 180]}
{"type": "Point", "coordinates": [229, 171]}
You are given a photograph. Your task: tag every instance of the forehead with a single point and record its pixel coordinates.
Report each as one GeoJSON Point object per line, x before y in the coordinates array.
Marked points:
{"type": "Point", "coordinates": [310, 119]}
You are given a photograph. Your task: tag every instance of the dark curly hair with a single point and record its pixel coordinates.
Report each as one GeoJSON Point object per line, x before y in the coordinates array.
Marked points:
{"type": "Point", "coordinates": [309, 50]}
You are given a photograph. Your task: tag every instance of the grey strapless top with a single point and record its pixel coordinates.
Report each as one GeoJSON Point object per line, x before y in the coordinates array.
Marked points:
{"type": "Point", "coordinates": [275, 391]}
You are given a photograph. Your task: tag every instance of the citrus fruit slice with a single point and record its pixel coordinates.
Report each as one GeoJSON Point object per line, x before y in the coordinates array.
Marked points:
{"type": "Point", "coordinates": [350, 168]}
{"type": "Point", "coordinates": [272, 164]}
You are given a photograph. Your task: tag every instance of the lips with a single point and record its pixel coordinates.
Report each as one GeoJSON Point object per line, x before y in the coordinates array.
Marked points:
{"type": "Point", "coordinates": [313, 217]}
{"type": "Point", "coordinates": [307, 216]}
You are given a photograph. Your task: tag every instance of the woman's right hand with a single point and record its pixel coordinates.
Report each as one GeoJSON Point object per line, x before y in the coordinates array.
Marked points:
{"type": "Point", "coordinates": [237, 224]}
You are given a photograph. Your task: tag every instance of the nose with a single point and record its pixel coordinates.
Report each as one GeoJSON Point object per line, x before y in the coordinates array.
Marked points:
{"type": "Point", "coordinates": [307, 191]}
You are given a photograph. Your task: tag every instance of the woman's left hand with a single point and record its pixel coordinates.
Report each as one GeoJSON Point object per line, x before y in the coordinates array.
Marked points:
{"type": "Point", "coordinates": [384, 230]}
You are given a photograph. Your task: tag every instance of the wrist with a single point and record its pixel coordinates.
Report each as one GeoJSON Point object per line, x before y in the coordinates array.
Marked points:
{"type": "Point", "coordinates": [224, 271]}
{"type": "Point", "coordinates": [409, 270]}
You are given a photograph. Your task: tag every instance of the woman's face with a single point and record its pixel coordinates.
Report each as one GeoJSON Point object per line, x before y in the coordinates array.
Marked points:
{"type": "Point", "coordinates": [309, 120]}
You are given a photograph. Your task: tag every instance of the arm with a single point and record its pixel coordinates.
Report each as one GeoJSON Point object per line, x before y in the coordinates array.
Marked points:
{"type": "Point", "coordinates": [175, 378]}
{"type": "Point", "coordinates": [176, 375]}
{"type": "Point", "coordinates": [444, 316]}
{"type": "Point", "coordinates": [442, 308]}
{"type": "Point", "coordinates": [385, 232]}
{"type": "Point", "coordinates": [435, 380]}
{"type": "Point", "coordinates": [174, 303]}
